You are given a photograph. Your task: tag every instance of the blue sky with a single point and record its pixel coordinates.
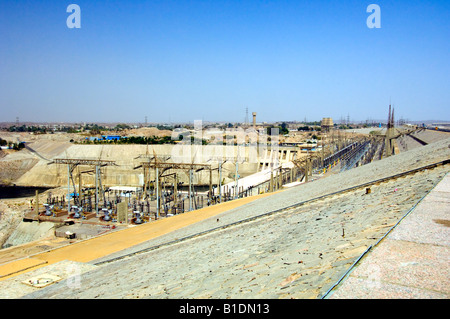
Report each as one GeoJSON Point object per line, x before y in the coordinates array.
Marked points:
{"type": "Point", "coordinates": [189, 60]}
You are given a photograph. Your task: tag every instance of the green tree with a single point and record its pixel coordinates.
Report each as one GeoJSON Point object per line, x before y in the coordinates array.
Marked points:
{"type": "Point", "coordinates": [284, 129]}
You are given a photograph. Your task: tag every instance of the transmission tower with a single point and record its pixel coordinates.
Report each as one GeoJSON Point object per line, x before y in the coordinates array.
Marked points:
{"type": "Point", "coordinates": [246, 121]}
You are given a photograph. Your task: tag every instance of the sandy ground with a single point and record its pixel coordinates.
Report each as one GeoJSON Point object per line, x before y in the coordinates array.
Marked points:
{"type": "Point", "coordinates": [147, 132]}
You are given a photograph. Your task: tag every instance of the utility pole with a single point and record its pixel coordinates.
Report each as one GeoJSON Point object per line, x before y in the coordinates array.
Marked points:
{"type": "Point", "coordinates": [236, 178]}
{"type": "Point", "coordinates": [236, 175]}
{"type": "Point", "coordinates": [280, 178]}
{"type": "Point", "coordinates": [72, 163]}
{"type": "Point", "coordinates": [219, 168]}
{"type": "Point", "coordinates": [175, 191]}
{"type": "Point", "coordinates": [271, 178]}
{"type": "Point", "coordinates": [80, 197]}
{"type": "Point", "coordinates": [323, 150]}
{"type": "Point", "coordinates": [190, 189]}
{"type": "Point", "coordinates": [37, 202]}
{"type": "Point", "coordinates": [68, 188]}
{"type": "Point", "coordinates": [157, 192]}
{"type": "Point", "coordinates": [307, 169]}
{"type": "Point", "coordinates": [97, 171]}
{"type": "Point", "coordinates": [210, 184]}
{"type": "Point", "coordinates": [145, 181]}
{"type": "Point", "coordinates": [220, 181]}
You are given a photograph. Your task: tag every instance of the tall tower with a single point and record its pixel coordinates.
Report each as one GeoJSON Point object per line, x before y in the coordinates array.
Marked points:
{"type": "Point", "coordinates": [388, 144]}
{"type": "Point", "coordinates": [327, 124]}
{"type": "Point", "coordinates": [246, 117]}
{"type": "Point", "coordinates": [254, 120]}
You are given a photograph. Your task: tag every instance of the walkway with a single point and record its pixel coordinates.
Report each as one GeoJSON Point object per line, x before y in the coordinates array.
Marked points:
{"type": "Point", "coordinates": [412, 261]}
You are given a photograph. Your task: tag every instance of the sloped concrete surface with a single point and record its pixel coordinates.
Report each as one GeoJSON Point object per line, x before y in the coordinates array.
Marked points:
{"type": "Point", "coordinates": [69, 270]}
{"type": "Point", "coordinates": [27, 232]}
{"type": "Point", "coordinates": [413, 260]}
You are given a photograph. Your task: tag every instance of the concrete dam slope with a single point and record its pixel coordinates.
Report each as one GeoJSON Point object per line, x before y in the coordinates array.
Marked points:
{"type": "Point", "coordinates": [15, 165]}
{"type": "Point", "coordinates": [27, 232]}
{"type": "Point", "coordinates": [30, 167]}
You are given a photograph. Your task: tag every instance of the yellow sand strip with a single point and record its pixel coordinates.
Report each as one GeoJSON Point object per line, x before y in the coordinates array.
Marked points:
{"type": "Point", "coordinates": [97, 247]}
{"type": "Point", "coordinates": [20, 266]}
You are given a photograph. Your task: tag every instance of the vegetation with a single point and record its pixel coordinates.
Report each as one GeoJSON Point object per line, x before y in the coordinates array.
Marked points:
{"type": "Point", "coordinates": [282, 129]}
{"type": "Point", "coordinates": [133, 140]}
{"type": "Point", "coordinates": [304, 128]}
{"type": "Point", "coordinates": [315, 123]}
{"type": "Point", "coordinates": [14, 146]}
{"type": "Point", "coordinates": [121, 127]}
{"type": "Point", "coordinates": [164, 127]}
{"type": "Point", "coordinates": [18, 146]}
{"type": "Point", "coordinates": [24, 128]}
{"type": "Point", "coordinates": [309, 128]}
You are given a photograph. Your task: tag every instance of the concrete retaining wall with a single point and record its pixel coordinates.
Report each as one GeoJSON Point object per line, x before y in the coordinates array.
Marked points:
{"type": "Point", "coordinates": [27, 232]}
{"type": "Point", "coordinates": [127, 157]}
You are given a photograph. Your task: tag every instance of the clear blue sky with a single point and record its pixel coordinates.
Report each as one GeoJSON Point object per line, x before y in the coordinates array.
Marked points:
{"type": "Point", "coordinates": [189, 60]}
